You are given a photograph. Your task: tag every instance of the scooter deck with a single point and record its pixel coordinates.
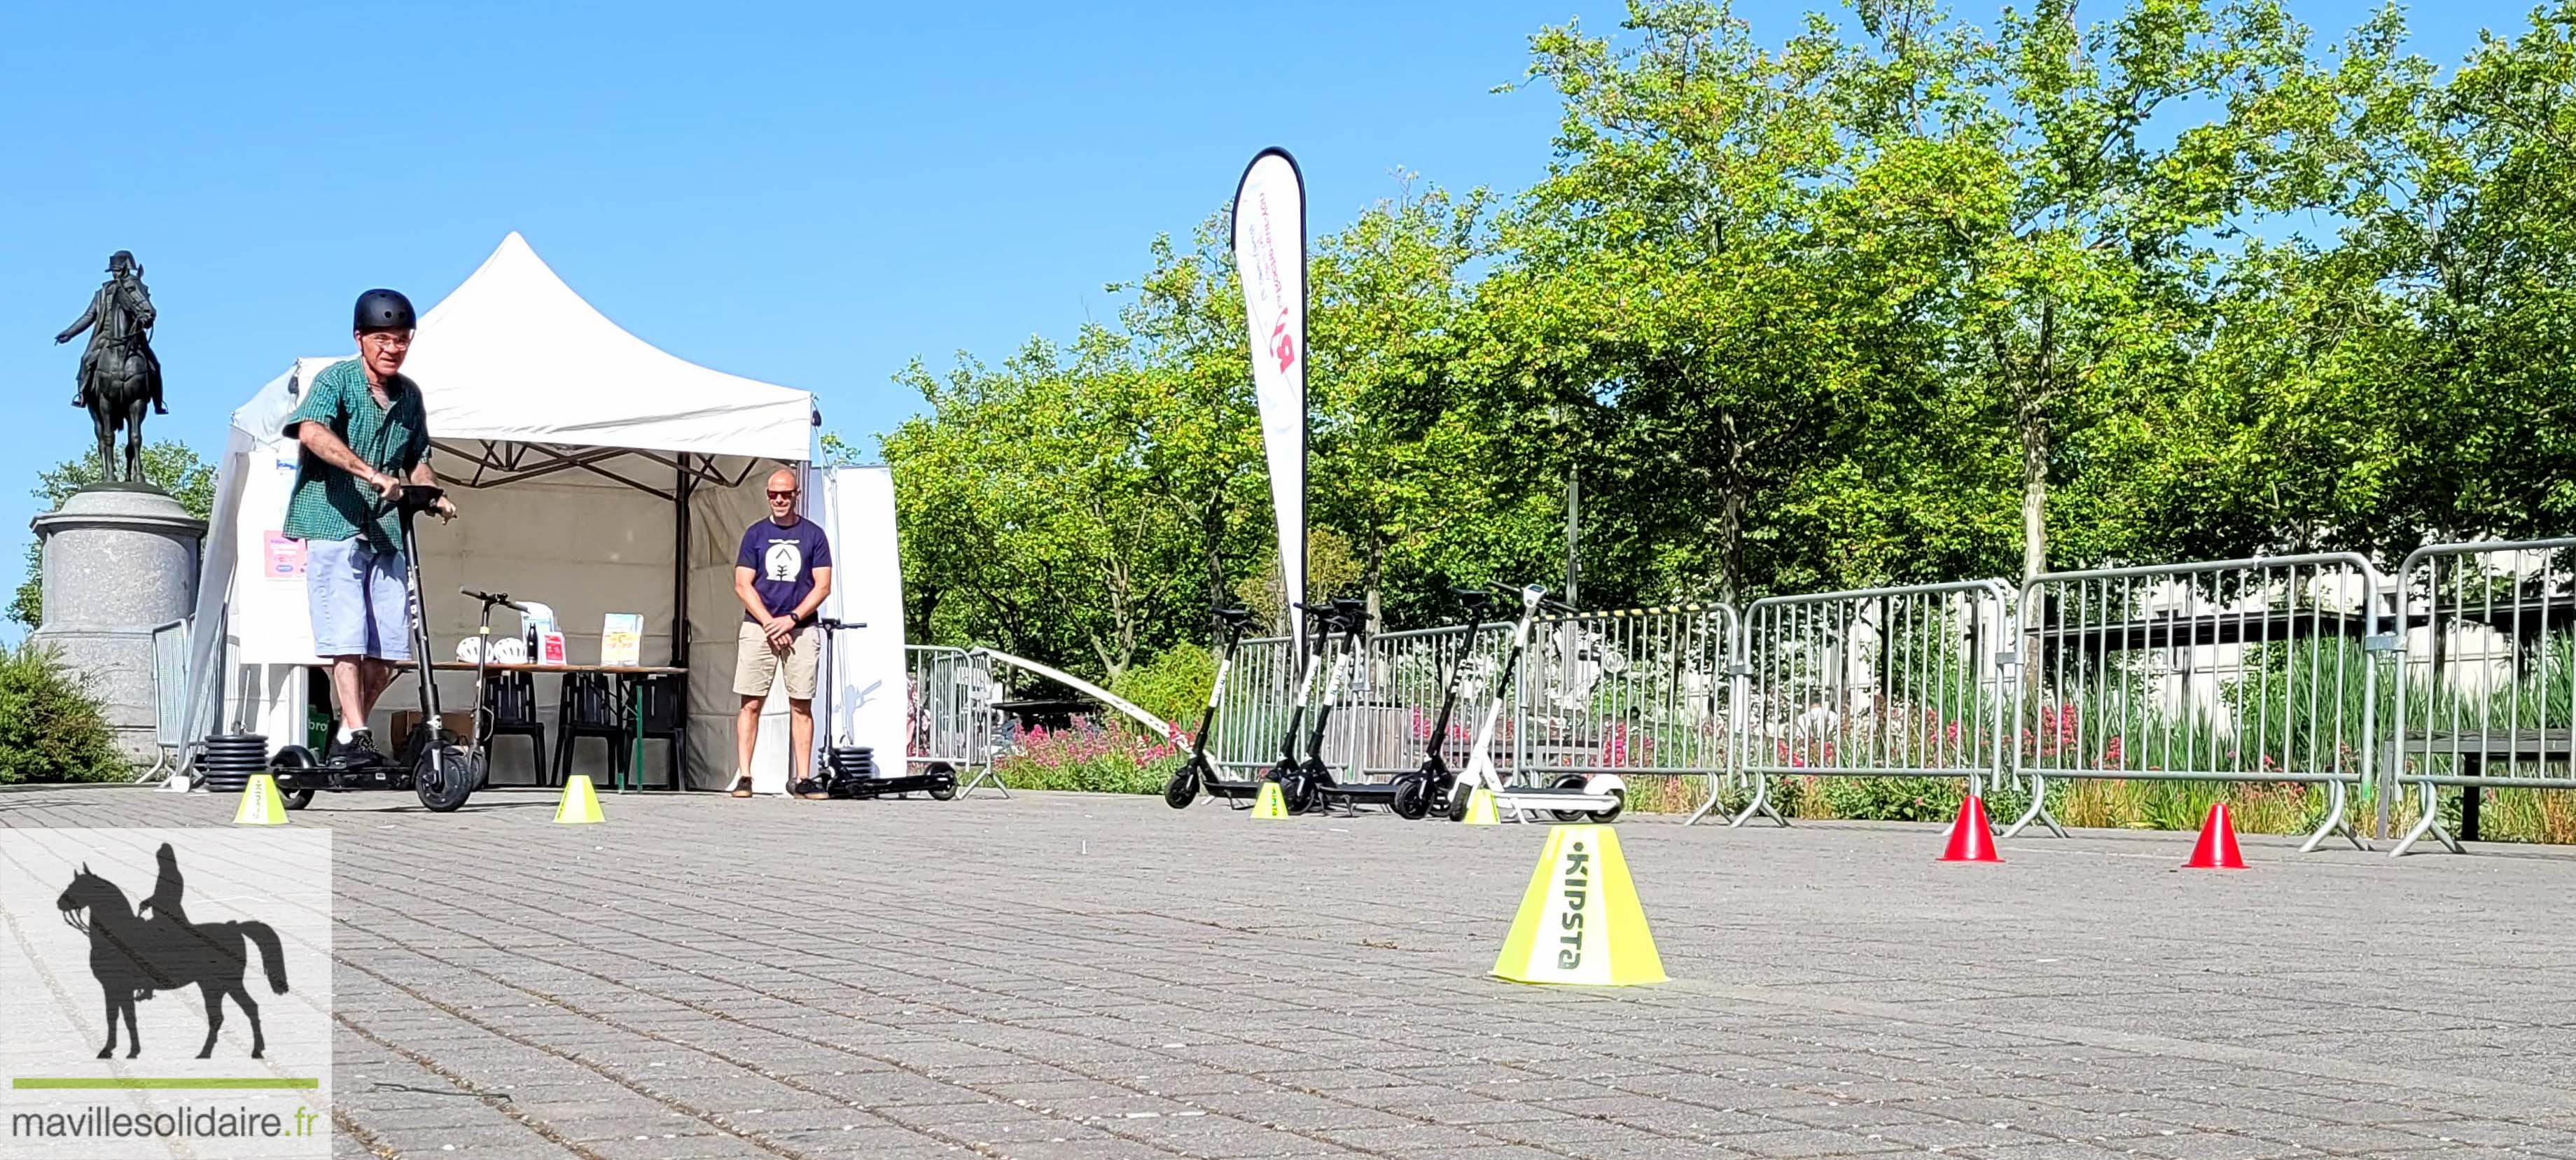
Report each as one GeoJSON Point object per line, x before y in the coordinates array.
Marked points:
{"type": "Point", "coordinates": [1217, 787]}
{"type": "Point", "coordinates": [1358, 791]}
{"type": "Point", "coordinates": [888, 786]}
{"type": "Point", "coordinates": [1546, 798]}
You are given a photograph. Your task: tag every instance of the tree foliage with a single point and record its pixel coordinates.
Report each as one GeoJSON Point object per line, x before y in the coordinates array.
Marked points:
{"type": "Point", "coordinates": [1904, 295]}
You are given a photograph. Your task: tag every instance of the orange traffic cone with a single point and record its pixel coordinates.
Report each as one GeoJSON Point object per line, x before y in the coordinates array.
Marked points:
{"type": "Point", "coordinates": [2216, 849]}
{"type": "Point", "coordinates": [1969, 841]}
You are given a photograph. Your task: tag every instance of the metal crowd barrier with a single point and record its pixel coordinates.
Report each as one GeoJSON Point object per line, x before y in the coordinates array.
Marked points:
{"type": "Point", "coordinates": [2233, 671]}
{"type": "Point", "coordinates": [1910, 681]}
{"type": "Point", "coordinates": [1391, 719]}
{"type": "Point", "coordinates": [1638, 691]}
{"type": "Point", "coordinates": [951, 714]}
{"type": "Point", "coordinates": [169, 696]}
{"type": "Point", "coordinates": [1641, 691]}
{"type": "Point", "coordinates": [1254, 710]}
{"type": "Point", "coordinates": [2485, 676]}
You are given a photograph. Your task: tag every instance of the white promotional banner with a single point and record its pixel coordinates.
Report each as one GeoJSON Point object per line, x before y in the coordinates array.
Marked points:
{"type": "Point", "coordinates": [1270, 255]}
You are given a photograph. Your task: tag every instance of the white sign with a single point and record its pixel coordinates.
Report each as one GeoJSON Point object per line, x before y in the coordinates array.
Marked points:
{"type": "Point", "coordinates": [117, 942]}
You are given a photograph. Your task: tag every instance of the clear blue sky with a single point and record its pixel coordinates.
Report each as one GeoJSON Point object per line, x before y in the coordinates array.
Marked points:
{"type": "Point", "coordinates": [807, 196]}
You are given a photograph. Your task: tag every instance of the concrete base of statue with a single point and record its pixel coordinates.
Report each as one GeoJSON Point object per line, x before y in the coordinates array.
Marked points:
{"type": "Point", "coordinates": [119, 561]}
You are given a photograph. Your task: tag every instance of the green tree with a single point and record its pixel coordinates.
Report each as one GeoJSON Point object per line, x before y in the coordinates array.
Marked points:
{"type": "Point", "coordinates": [172, 467]}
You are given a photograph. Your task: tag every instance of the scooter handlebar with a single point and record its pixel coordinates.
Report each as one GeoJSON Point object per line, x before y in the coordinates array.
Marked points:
{"type": "Point", "coordinates": [500, 598]}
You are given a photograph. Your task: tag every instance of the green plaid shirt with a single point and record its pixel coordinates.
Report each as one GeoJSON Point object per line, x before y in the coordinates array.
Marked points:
{"type": "Point", "coordinates": [331, 504]}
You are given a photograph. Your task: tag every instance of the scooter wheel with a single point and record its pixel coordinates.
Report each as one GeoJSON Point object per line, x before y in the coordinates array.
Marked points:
{"type": "Point", "coordinates": [1618, 803]}
{"type": "Point", "coordinates": [943, 789]}
{"type": "Point", "coordinates": [1412, 800]}
{"type": "Point", "coordinates": [290, 760]}
{"type": "Point", "coordinates": [1183, 789]}
{"type": "Point", "coordinates": [1297, 792]}
{"type": "Point", "coordinates": [443, 788]}
{"type": "Point", "coordinates": [1458, 796]}
{"type": "Point", "coordinates": [1571, 781]}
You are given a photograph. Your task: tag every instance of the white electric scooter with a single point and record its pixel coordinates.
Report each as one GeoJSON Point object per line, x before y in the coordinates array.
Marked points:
{"type": "Point", "coordinates": [1574, 796]}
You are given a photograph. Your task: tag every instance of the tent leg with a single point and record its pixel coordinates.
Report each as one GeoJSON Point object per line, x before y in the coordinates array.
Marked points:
{"type": "Point", "coordinates": [680, 604]}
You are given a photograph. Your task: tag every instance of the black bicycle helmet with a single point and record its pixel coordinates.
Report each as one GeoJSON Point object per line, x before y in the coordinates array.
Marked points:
{"type": "Point", "coordinates": [384, 310]}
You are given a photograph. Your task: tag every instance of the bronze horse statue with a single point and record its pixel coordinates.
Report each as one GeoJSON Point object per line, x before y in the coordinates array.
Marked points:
{"type": "Point", "coordinates": [119, 374]}
{"type": "Point", "coordinates": [133, 956]}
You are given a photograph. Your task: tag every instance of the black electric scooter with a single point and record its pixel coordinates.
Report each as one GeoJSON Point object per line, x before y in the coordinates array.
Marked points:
{"type": "Point", "coordinates": [438, 766]}
{"type": "Point", "coordinates": [1289, 770]}
{"type": "Point", "coordinates": [1430, 785]}
{"type": "Point", "coordinates": [1320, 789]}
{"type": "Point", "coordinates": [843, 769]}
{"type": "Point", "coordinates": [1197, 774]}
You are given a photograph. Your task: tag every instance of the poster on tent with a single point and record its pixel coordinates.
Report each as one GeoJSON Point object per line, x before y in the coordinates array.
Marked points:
{"type": "Point", "coordinates": [1270, 257]}
{"type": "Point", "coordinates": [270, 614]}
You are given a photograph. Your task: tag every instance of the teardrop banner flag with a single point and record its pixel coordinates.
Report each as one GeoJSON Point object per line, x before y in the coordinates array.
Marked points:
{"type": "Point", "coordinates": [1270, 257]}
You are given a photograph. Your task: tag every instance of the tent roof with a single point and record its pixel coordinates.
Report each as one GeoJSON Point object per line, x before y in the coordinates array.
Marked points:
{"type": "Point", "coordinates": [514, 356]}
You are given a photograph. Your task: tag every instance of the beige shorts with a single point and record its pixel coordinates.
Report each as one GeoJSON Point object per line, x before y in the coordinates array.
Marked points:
{"type": "Point", "coordinates": [756, 665]}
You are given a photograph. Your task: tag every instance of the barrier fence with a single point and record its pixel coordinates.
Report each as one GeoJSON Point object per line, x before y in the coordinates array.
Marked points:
{"type": "Point", "coordinates": [1637, 691]}
{"type": "Point", "coordinates": [1912, 681]}
{"type": "Point", "coordinates": [951, 714]}
{"type": "Point", "coordinates": [2235, 671]}
{"type": "Point", "coordinates": [2311, 670]}
{"type": "Point", "coordinates": [1645, 691]}
{"type": "Point", "coordinates": [2485, 672]}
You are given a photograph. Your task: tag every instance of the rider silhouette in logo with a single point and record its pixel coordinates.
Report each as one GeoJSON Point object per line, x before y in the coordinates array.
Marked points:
{"type": "Point", "coordinates": [132, 956]}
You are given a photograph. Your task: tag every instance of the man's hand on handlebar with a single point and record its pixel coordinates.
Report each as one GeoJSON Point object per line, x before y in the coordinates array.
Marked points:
{"type": "Point", "coordinates": [445, 508]}
{"type": "Point", "coordinates": [388, 486]}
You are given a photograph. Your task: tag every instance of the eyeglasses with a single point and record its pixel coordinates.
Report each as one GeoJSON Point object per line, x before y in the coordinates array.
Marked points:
{"type": "Point", "coordinates": [782, 495]}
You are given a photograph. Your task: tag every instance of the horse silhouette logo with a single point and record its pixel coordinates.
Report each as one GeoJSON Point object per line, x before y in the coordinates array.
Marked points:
{"type": "Point", "coordinates": [134, 955]}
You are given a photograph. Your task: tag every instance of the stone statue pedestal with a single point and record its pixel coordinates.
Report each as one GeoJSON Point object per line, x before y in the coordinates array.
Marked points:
{"type": "Point", "coordinates": [119, 559]}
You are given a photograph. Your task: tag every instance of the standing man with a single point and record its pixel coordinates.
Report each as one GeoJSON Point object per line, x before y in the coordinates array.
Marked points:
{"type": "Point", "coordinates": [781, 575]}
{"type": "Point", "coordinates": [364, 435]}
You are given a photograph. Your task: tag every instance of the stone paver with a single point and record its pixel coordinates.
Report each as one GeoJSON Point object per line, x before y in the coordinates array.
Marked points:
{"type": "Point", "coordinates": [1075, 976]}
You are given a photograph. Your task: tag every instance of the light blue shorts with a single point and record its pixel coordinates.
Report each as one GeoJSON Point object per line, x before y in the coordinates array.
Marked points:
{"type": "Point", "coordinates": [358, 600]}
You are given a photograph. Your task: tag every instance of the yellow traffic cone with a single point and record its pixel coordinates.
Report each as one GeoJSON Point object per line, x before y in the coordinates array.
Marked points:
{"type": "Point", "coordinates": [580, 804]}
{"type": "Point", "coordinates": [1480, 809]}
{"type": "Point", "coordinates": [1580, 921]}
{"type": "Point", "coordinates": [1270, 803]}
{"type": "Point", "coordinates": [260, 805]}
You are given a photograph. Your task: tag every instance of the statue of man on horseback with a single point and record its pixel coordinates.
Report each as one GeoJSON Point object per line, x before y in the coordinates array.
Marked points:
{"type": "Point", "coordinates": [119, 374]}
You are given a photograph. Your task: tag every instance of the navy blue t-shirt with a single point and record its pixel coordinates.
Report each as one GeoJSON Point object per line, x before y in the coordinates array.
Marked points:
{"type": "Point", "coordinates": [783, 560]}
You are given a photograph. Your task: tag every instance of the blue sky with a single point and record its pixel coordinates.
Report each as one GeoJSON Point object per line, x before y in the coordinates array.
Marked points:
{"type": "Point", "coordinates": [811, 196]}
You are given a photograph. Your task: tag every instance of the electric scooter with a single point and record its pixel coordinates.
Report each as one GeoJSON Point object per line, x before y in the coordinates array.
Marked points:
{"type": "Point", "coordinates": [1197, 774]}
{"type": "Point", "coordinates": [843, 769]}
{"type": "Point", "coordinates": [1320, 788]}
{"type": "Point", "coordinates": [1573, 797]}
{"type": "Point", "coordinates": [1289, 770]}
{"type": "Point", "coordinates": [1431, 785]}
{"type": "Point", "coordinates": [436, 765]}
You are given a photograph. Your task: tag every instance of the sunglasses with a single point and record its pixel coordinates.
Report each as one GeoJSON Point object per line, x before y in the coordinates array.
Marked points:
{"type": "Point", "coordinates": [782, 495]}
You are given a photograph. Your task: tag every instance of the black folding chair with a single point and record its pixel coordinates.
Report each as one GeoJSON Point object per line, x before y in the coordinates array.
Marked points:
{"type": "Point", "coordinates": [511, 699]}
{"type": "Point", "coordinates": [590, 707]}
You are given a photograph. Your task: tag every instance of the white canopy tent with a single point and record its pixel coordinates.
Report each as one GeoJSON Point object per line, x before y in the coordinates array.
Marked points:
{"type": "Point", "coordinates": [594, 473]}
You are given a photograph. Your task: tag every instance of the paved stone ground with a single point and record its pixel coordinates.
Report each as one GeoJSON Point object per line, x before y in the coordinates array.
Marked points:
{"type": "Point", "coordinates": [1065, 976]}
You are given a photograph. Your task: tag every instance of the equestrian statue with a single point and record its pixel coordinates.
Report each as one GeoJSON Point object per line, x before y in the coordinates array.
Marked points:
{"type": "Point", "coordinates": [119, 374]}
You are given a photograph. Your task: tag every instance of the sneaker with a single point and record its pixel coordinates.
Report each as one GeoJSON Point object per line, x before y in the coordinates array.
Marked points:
{"type": "Point", "coordinates": [359, 750]}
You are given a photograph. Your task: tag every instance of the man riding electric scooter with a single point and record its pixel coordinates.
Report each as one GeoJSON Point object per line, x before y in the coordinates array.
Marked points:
{"type": "Point", "coordinates": [365, 435]}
